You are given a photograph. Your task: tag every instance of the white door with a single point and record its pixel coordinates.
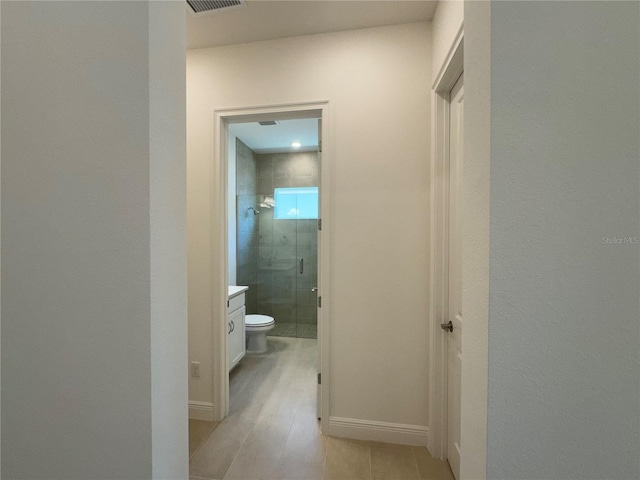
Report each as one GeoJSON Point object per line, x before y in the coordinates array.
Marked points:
{"type": "Point", "coordinates": [319, 344]}
{"type": "Point", "coordinates": [454, 326]}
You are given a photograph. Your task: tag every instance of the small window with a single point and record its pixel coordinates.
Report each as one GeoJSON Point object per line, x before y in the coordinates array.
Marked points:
{"type": "Point", "coordinates": [296, 203]}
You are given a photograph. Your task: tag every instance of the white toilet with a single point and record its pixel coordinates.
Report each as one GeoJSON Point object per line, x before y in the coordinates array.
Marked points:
{"type": "Point", "coordinates": [256, 328]}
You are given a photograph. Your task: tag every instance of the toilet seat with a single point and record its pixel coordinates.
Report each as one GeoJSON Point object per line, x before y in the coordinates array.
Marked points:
{"type": "Point", "coordinates": [255, 320]}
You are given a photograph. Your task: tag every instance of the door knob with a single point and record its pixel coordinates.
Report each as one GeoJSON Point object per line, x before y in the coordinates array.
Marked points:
{"type": "Point", "coordinates": [447, 326]}
{"type": "Point", "coordinates": [314, 289]}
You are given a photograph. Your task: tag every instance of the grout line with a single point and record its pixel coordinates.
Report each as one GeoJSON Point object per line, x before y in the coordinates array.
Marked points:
{"type": "Point", "coordinates": [326, 453]}
{"type": "Point", "coordinates": [415, 460]}
{"type": "Point", "coordinates": [244, 440]}
{"type": "Point", "coordinates": [203, 441]}
{"type": "Point", "coordinates": [238, 394]}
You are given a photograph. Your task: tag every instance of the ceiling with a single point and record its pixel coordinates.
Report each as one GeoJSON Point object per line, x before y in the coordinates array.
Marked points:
{"type": "Point", "coordinates": [270, 19]}
{"type": "Point", "coordinates": [278, 138]}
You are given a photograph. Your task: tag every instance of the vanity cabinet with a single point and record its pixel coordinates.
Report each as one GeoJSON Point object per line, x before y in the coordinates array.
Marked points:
{"type": "Point", "coordinates": [236, 344]}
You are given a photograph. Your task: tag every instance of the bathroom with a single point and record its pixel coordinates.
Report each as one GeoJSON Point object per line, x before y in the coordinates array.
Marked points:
{"type": "Point", "coordinates": [272, 223]}
{"type": "Point", "coordinates": [273, 218]}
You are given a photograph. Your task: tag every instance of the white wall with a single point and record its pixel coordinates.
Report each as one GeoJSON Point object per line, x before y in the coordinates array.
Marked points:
{"type": "Point", "coordinates": [93, 378]}
{"type": "Point", "coordinates": [564, 325]}
{"type": "Point", "coordinates": [377, 83]}
{"type": "Point", "coordinates": [168, 224]}
{"type": "Point", "coordinates": [475, 241]}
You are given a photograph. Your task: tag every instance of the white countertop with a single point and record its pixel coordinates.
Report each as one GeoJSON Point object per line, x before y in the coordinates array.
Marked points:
{"type": "Point", "coordinates": [236, 290]}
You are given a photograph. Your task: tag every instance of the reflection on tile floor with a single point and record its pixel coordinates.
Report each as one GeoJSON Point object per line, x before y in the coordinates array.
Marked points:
{"type": "Point", "coordinates": [272, 432]}
{"type": "Point", "coordinates": [300, 330]}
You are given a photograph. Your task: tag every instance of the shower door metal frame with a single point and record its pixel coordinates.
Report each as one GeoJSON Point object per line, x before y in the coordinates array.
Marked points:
{"type": "Point", "coordinates": [219, 241]}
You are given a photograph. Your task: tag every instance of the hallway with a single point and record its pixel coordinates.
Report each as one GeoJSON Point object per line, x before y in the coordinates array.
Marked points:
{"type": "Point", "coordinates": [272, 431]}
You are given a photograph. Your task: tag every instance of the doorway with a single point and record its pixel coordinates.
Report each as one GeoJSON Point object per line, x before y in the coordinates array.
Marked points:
{"type": "Point", "coordinates": [273, 217]}
{"type": "Point", "coordinates": [446, 257]}
{"type": "Point", "coordinates": [294, 245]}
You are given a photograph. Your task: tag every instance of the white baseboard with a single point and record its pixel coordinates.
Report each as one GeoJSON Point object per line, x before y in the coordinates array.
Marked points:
{"type": "Point", "coordinates": [398, 433]}
{"type": "Point", "coordinates": [201, 411]}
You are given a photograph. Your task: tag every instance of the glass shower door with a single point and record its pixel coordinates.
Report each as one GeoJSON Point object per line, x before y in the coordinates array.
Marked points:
{"type": "Point", "coordinates": [287, 273]}
{"type": "Point", "coordinates": [307, 254]}
{"type": "Point", "coordinates": [277, 267]}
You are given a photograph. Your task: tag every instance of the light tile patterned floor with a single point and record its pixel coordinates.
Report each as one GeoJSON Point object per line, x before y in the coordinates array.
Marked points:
{"type": "Point", "coordinates": [272, 432]}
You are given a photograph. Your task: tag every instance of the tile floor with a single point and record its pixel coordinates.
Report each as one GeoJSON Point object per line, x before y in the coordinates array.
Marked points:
{"type": "Point", "coordinates": [300, 330]}
{"type": "Point", "coordinates": [199, 431]}
{"type": "Point", "coordinates": [283, 330]}
{"type": "Point", "coordinates": [272, 432]}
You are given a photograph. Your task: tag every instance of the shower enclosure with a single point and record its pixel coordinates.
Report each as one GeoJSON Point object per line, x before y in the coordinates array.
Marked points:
{"type": "Point", "coordinates": [287, 271]}
{"type": "Point", "coordinates": [277, 249]}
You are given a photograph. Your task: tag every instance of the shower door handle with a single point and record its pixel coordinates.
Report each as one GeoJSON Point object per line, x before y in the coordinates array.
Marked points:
{"type": "Point", "coordinates": [301, 266]}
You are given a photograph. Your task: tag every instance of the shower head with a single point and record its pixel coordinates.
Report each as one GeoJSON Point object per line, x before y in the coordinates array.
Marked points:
{"type": "Point", "coordinates": [255, 212]}
{"type": "Point", "coordinates": [267, 202]}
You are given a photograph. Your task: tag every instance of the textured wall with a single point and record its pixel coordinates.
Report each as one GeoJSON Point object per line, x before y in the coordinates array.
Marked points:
{"type": "Point", "coordinates": [168, 235]}
{"type": "Point", "coordinates": [476, 238]}
{"type": "Point", "coordinates": [93, 241]}
{"type": "Point", "coordinates": [564, 329]}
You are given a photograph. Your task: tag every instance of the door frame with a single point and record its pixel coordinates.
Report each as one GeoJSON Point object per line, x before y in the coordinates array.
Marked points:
{"type": "Point", "coordinates": [219, 241]}
{"type": "Point", "coordinates": [439, 249]}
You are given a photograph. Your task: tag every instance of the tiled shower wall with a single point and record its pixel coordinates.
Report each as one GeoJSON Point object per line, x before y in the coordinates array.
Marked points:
{"type": "Point", "coordinates": [282, 291]}
{"type": "Point", "coordinates": [276, 170]}
{"type": "Point", "coordinates": [247, 247]}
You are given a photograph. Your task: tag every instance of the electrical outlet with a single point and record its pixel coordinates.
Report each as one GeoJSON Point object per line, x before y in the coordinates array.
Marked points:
{"type": "Point", "coordinates": [195, 369]}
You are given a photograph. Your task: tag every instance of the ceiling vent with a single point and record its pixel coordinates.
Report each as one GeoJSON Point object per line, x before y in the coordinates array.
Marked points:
{"type": "Point", "coordinates": [212, 6]}
{"type": "Point", "coordinates": [266, 123]}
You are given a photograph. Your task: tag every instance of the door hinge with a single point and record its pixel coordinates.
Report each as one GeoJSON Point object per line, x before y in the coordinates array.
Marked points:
{"type": "Point", "coordinates": [319, 224]}
{"type": "Point", "coordinates": [319, 146]}
{"type": "Point", "coordinates": [319, 379]}
{"type": "Point", "coordinates": [319, 302]}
